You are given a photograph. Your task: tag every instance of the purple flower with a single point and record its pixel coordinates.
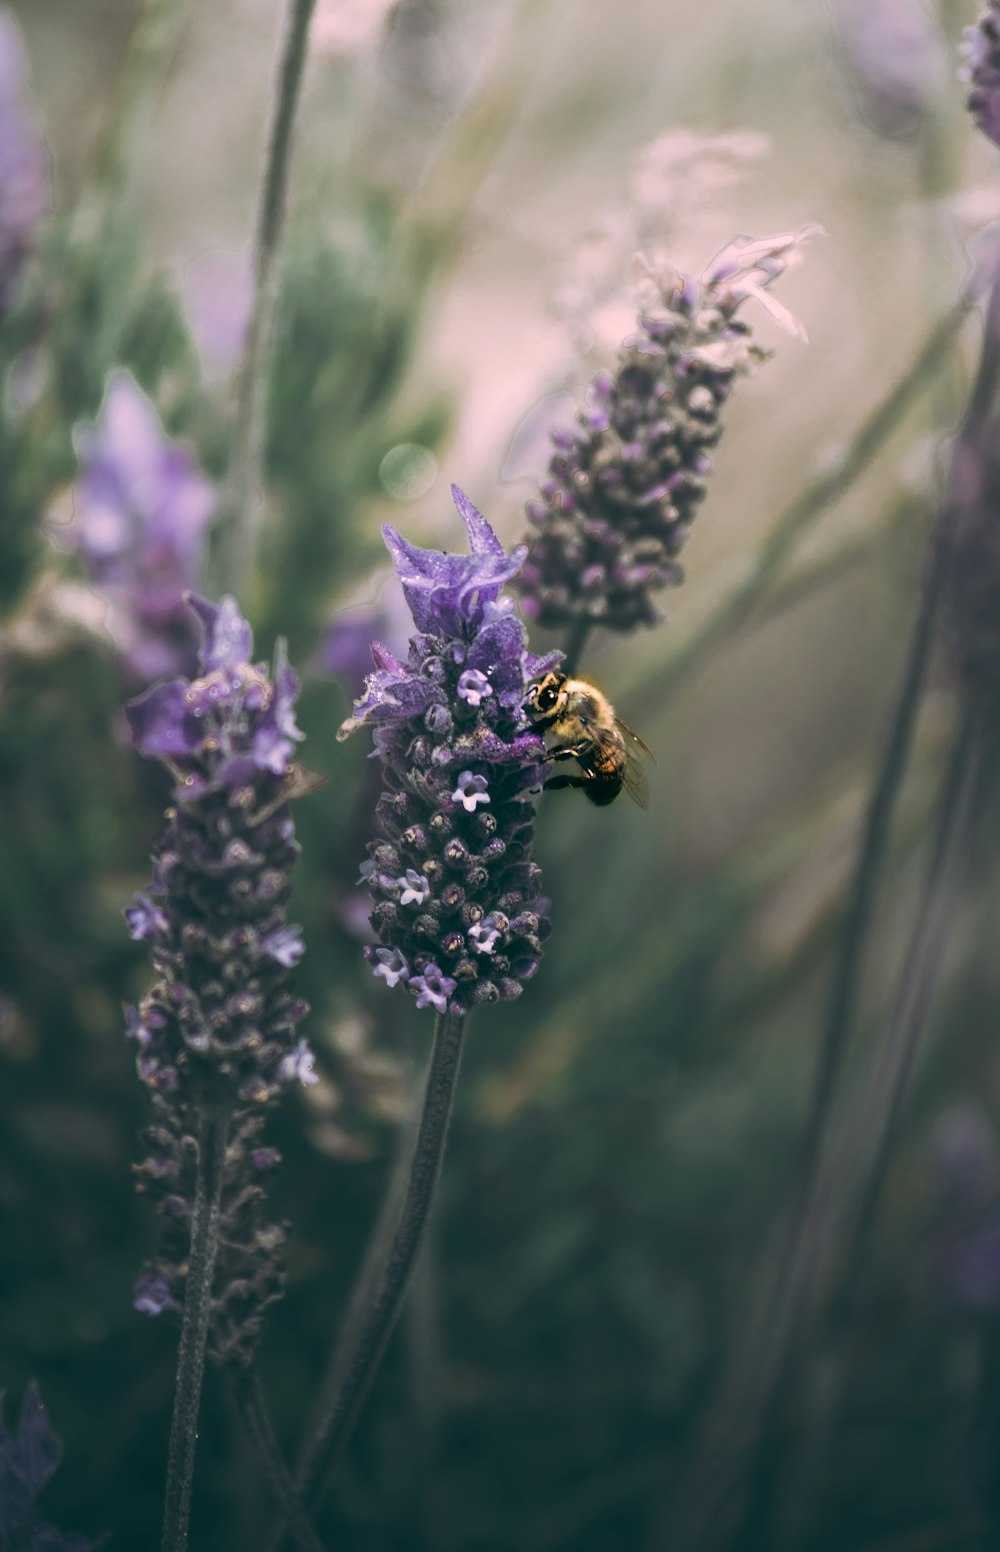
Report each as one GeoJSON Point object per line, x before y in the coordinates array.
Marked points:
{"type": "Point", "coordinates": [140, 512]}
{"type": "Point", "coordinates": [24, 175]}
{"type": "Point", "coordinates": [144, 918]}
{"type": "Point", "coordinates": [433, 988]}
{"type": "Point", "coordinates": [415, 888]}
{"type": "Point", "coordinates": [485, 935]}
{"type": "Point", "coordinates": [474, 687]}
{"type": "Point", "coordinates": [623, 488]}
{"type": "Point", "coordinates": [894, 56]}
{"type": "Point", "coordinates": [28, 1460]}
{"type": "Point", "coordinates": [346, 649]}
{"type": "Point", "coordinates": [390, 963]}
{"type": "Point", "coordinates": [285, 945]}
{"type": "Point", "coordinates": [152, 1295]}
{"type": "Point", "coordinates": [456, 846]}
{"type": "Point", "coordinates": [981, 69]}
{"type": "Point", "coordinates": [300, 1064]}
{"type": "Point", "coordinates": [470, 791]}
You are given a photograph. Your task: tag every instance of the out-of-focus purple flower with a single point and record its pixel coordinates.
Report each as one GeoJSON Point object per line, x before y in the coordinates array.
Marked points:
{"type": "Point", "coordinates": [623, 486]}
{"type": "Point", "coordinates": [24, 173]}
{"type": "Point", "coordinates": [218, 1027]}
{"type": "Point", "coordinates": [152, 1295]}
{"type": "Point", "coordinates": [28, 1460]}
{"type": "Point", "coordinates": [980, 52]}
{"type": "Point", "coordinates": [895, 61]}
{"type": "Point", "coordinates": [217, 288]}
{"type": "Point", "coordinates": [456, 811]}
{"type": "Point", "coordinates": [346, 648]}
{"type": "Point", "coordinates": [140, 512]}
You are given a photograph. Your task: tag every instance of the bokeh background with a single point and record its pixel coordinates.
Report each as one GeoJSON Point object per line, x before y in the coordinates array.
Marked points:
{"type": "Point", "coordinates": [468, 190]}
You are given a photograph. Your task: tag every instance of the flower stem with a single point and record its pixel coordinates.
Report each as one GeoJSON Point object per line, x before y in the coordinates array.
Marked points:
{"type": "Point", "coordinates": [800, 516]}
{"type": "Point", "coordinates": [205, 1217]}
{"type": "Point", "coordinates": [879, 1118]}
{"type": "Point", "coordinates": [248, 446]}
{"type": "Point", "coordinates": [256, 1419]}
{"type": "Point", "coordinates": [389, 1265]}
{"type": "Point", "coordinates": [576, 640]}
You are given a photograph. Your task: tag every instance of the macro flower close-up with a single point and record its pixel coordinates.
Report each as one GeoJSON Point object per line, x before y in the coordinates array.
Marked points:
{"type": "Point", "coordinates": [470, 468]}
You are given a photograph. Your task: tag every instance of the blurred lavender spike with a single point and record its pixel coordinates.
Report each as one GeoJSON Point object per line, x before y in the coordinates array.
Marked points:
{"type": "Point", "coordinates": [980, 52]}
{"type": "Point", "coordinates": [28, 1459]}
{"type": "Point", "coordinates": [623, 487]}
{"type": "Point", "coordinates": [894, 59]}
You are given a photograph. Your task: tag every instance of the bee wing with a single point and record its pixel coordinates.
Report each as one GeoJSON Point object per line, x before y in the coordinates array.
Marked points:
{"type": "Point", "coordinates": [633, 741]}
{"type": "Point", "coordinates": [633, 776]}
{"type": "Point", "coordinates": [635, 783]}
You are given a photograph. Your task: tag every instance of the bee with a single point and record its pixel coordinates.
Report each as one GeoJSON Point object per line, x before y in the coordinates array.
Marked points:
{"type": "Point", "coordinates": [586, 728]}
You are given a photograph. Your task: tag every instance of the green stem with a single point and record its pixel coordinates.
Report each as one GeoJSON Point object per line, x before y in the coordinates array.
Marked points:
{"type": "Point", "coordinates": [256, 1419]}
{"type": "Point", "coordinates": [879, 1118]}
{"type": "Point", "coordinates": [205, 1218]}
{"type": "Point", "coordinates": [388, 1268]}
{"type": "Point", "coordinates": [248, 445]}
{"type": "Point", "coordinates": [576, 640]}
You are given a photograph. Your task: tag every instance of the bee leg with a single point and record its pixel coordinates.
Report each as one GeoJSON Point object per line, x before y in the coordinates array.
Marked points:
{"type": "Point", "coordinates": [556, 783]}
{"type": "Point", "coordinates": [565, 752]}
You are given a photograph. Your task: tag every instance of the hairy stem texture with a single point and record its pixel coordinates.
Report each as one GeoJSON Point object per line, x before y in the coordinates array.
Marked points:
{"type": "Point", "coordinates": [205, 1217]}
{"type": "Point", "coordinates": [388, 1270]}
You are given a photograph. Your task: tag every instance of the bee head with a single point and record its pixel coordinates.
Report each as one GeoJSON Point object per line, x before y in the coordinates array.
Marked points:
{"type": "Point", "coordinates": [543, 697]}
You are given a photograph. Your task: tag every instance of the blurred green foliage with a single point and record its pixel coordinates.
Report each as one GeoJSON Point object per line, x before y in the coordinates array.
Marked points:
{"type": "Point", "coordinates": [628, 1135]}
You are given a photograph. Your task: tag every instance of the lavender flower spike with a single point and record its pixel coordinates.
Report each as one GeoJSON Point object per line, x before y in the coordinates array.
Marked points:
{"type": "Point", "coordinates": [217, 1031]}
{"type": "Point", "coordinates": [459, 767]}
{"type": "Point", "coordinates": [140, 512]}
{"type": "Point", "coordinates": [623, 487]}
{"type": "Point", "coordinates": [981, 69]}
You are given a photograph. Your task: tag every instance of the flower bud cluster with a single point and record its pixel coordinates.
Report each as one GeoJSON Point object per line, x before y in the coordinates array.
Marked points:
{"type": "Point", "coordinates": [457, 905]}
{"type": "Point", "coordinates": [251, 1265]}
{"type": "Point", "coordinates": [623, 487]}
{"type": "Point", "coordinates": [981, 70]}
{"type": "Point", "coordinates": [218, 1026]}
{"type": "Point", "coordinates": [217, 1030]}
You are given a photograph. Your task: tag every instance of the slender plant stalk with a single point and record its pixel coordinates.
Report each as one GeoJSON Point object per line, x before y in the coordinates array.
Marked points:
{"type": "Point", "coordinates": [748, 1408]}
{"type": "Point", "coordinates": [800, 516]}
{"type": "Point", "coordinates": [388, 1267]}
{"type": "Point", "coordinates": [845, 1201]}
{"type": "Point", "coordinates": [205, 1217]}
{"type": "Point", "coordinates": [932, 930]}
{"type": "Point", "coordinates": [248, 446]}
{"type": "Point", "coordinates": [576, 640]}
{"type": "Point", "coordinates": [147, 56]}
{"type": "Point", "coordinates": [253, 1411]}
